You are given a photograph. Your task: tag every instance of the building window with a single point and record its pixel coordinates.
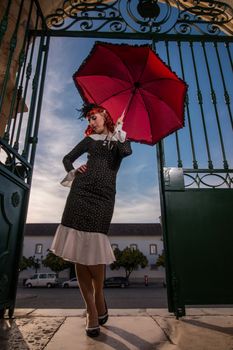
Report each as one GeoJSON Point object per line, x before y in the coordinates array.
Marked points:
{"type": "Point", "coordinates": [153, 249]}
{"type": "Point", "coordinates": [39, 248]}
{"type": "Point", "coordinates": [114, 246]}
{"type": "Point", "coordinates": [133, 246]}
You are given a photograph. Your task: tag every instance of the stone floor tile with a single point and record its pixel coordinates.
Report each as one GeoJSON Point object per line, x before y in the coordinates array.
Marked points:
{"type": "Point", "coordinates": [120, 333]}
{"type": "Point", "coordinates": [218, 311]}
{"type": "Point", "coordinates": [159, 312]}
{"type": "Point", "coordinates": [59, 312]}
{"type": "Point", "coordinates": [199, 332]}
{"type": "Point", "coordinates": [28, 333]}
{"type": "Point", "coordinates": [127, 312]}
{"type": "Point", "coordinates": [23, 312]}
{"type": "Point", "coordinates": [194, 311]}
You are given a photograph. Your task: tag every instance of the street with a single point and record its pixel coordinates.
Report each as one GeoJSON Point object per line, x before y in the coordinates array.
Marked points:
{"type": "Point", "coordinates": [135, 296]}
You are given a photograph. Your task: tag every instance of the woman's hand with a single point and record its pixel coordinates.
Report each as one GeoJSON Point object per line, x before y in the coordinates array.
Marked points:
{"type": "Point", "coordinates": [82, 169]}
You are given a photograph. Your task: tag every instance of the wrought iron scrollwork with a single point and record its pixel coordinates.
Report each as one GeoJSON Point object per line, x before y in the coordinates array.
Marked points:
{"type": "Point", "coordinates": [142, 16]}
{"type": "Point", "coordinates": [204, 15]}
{"type": "Point", "coordinates": [213, 179]}
{"type": "Point", "coordinates": [13, 163]}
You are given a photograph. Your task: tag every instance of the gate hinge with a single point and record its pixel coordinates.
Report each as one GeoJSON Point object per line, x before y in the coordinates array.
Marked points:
{"type": "Point", "coordinates": [173, 179]}
{"type": "Point", "coordinates": [179, 307]}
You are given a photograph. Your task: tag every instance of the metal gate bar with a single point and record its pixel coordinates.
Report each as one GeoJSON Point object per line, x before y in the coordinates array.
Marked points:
{"type": "Point", "coordinates": [31, 116]}
{"type": "Point", "coordinates": [200, 102]}
{"type": "Point", "coordinates": [179, 161]}
{"type": "Point", "coordinates": [207, 135]}
{"type": "Point", "coordinates": [226, 94]}
{"type": "Point", "coordinates": [28, 70]}
{"type": "Point", "coordinates": [214, 101]}
{"type": "Point", "coordinates": [18, 90]}
{"type": "Point", "coordinates": [229, 54]}
{"type": "Point", "coordinates": [195, 164]}
{"type": "Point", "coordinates": [39, 103]}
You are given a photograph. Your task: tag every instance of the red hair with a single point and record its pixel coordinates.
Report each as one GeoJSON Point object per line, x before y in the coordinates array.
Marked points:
{"type": "Point", "coordinates": [107, 117]}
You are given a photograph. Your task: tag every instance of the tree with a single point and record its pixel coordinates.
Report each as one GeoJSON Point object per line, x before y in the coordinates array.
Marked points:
{"type": "Point", "coordinates": [161, 260]}
{"type": "Point", "coordinates": [129, 259]}
{"type": "Point", "coordinates": [26, 262]}
{"type": "Point", "coordinates": [55, 263]}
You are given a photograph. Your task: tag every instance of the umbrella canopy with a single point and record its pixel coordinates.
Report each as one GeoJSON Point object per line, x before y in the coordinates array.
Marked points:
{"type": "Point", "coordinates": [133, 80]}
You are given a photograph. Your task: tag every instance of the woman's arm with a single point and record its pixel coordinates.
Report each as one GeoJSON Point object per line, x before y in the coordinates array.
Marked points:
{"type": "Point", "coordinates": [124, 148]}
{"type": "Point", "coordinates": [76, 152]}
{"type": "Point", "coordinates": [123, 145]}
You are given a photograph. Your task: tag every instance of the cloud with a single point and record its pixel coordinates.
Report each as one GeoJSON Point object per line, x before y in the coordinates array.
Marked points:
{"type": "Point", "coordinates": [136, 207]}
{"type": "Point", "coordinates": [48, 200]}
{"type": "Point", "coordinates": [58, 134]}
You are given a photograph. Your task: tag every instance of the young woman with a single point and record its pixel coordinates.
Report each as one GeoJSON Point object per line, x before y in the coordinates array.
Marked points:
{"type": "Point", "coordinates": [82, 235]}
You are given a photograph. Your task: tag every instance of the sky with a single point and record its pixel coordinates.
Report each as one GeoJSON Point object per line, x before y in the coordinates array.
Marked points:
{"type": "Point", "coordinates": [137, 198]}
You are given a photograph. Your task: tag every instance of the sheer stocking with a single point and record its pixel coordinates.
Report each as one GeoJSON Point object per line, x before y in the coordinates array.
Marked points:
{"type": "Point", "coordinates": [87, 290]}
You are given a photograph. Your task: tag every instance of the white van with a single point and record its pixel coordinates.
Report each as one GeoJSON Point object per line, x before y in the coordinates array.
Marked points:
{"type": "Point", "coordinates": [42, 280]}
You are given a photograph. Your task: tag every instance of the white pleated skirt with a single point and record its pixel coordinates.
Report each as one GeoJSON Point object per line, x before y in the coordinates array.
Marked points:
{"type": "Point", "coordinates": [87, 248]}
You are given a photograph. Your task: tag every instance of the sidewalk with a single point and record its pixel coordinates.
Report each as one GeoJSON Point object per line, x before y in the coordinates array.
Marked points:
{"type": "Point", "coordinates": [132, 329]}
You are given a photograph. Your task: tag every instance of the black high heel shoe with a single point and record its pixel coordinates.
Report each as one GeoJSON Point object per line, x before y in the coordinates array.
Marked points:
{"type": "Point", "coordinates": [103, 318]}
{"type": "Point", "coordinates": [93, 331]}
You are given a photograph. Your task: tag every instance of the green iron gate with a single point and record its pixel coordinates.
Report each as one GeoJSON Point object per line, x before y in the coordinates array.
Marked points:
{"type": "Point", "coordinates": [195, 167]}
{"type": "Point", "coordinates": [195, 164]}
{"type": "Point", "coordinates": [26, 55]}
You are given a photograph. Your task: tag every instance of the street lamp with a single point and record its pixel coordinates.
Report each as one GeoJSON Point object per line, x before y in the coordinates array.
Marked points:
{"type": "Point", "coordinates": [37, 262]}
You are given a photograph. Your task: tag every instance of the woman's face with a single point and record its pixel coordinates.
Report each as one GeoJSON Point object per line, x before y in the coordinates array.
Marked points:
{"type": "Point", "coordinates": [97, 123]}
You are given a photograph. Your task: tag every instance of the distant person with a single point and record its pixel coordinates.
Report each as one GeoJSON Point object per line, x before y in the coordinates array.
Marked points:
{"type": "Point", "coordinates": [82, 235]}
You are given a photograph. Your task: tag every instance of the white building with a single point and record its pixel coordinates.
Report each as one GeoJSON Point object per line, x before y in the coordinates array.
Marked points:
{"type": "Point", "coordinates": [146, 237]}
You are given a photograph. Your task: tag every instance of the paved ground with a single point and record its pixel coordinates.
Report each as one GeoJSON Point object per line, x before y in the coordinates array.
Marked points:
{"type": "Point", "coordinates": [137, 329]}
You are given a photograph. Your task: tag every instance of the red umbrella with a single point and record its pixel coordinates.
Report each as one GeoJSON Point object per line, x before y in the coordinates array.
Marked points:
{"type": "Point", "coordinates": [133, 80]}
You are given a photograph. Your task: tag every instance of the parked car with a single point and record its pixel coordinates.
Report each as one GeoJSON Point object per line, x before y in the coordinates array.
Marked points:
{"type": "Point", "coordinates": [42, 280]}
{"type": "Point", "coordinates": [71, 283]}
{"type": "Point", "coordinates": [116, 282]}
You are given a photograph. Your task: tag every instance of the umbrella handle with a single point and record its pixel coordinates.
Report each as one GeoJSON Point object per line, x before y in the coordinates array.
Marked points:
{"type": "Point", "coordinates": [120, 120]}
{"type": "Point", "coordinates": [123, 114]}
{"type": "Point", "coordinates": [128, 104]}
